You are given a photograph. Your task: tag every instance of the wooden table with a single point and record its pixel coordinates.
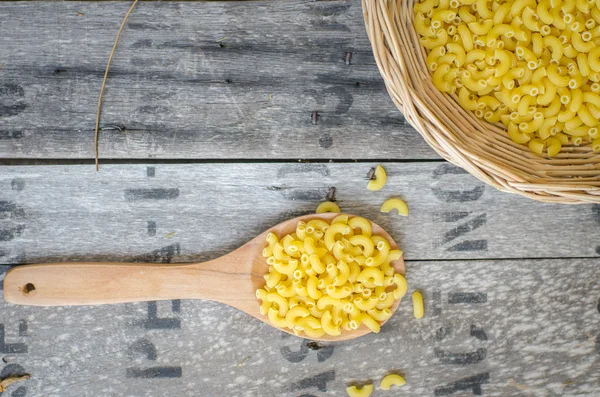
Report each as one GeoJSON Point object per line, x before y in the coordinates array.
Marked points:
{"type": "Point", "coordinates": [222, 119]}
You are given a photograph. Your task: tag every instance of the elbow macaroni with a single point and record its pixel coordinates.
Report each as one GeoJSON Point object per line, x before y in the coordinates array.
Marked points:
{"type": "Point", "coordinates": [324, 289]}
{"type": "Point", "coordinates": [397, 204]}
{"type": "Point", "coordinates": [418, 307]}
{"type": "Point", "coordinates": [379, 180]}
{"type": "Point", "coordinates": [355, 391]}
{"type": "Point", "coordinates": [327, 206]}
{"type": "Point", "coordinates": [391, 380]}
{"type": "Point", "coordinates": [532, 65]}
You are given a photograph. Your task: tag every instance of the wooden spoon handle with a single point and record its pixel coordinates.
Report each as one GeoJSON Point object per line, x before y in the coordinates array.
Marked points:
{"type": "Point", "coordinates": [58, 284]}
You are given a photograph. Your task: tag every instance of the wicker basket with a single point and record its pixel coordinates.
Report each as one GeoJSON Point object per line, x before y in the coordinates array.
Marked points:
{"type": "Point", "coordinates": [483, 149]}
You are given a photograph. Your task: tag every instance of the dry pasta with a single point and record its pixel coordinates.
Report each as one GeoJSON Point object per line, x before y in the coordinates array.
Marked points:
{"type": "Point", "coordinates": [418, 307]}
{"type": "Point", "coordinates": [395, 204]}
{"type": "Point", "coordinates": [327, 206]}
{"type": "Point", "coordinates": [379, 180]}
{"type": "Point", "coordinates": [340, 277]}
{"type": "Point", "coordinates": [391, 380]}
{"type": "Point", "coordinates": [355, 391]}
{"type": "Point", "coordinates": [531, 65]}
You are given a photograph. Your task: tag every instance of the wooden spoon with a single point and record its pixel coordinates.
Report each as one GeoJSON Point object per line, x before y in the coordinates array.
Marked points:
{"type": "Point", "coordinates": [231, 279]}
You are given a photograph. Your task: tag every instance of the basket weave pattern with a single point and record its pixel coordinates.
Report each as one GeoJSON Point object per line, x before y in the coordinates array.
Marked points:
{"type": "Point", "coordinates": [481, 148]}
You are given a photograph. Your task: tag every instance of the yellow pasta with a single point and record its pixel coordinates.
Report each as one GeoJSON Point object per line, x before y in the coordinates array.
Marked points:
{"type": "Point", "coordinates": [387, 302]}
{"type": "Point", "coordinates": [418, 307]}
{"type": "Point", "coordinates": [421, 26]}
{"type": "Point", "coordinates": [380, 315]}
{"type": "Point", "coordinates": [397, 204]}
{"type": "Point", "coordinates": [280, 301]}
{"type": "Point", "coordinates": [361, 223]}
{"type": "Point", "coordinates": [327, 206]}
{"type": "Point", "coordinates": [328, 325]}
{"type": "Point", "coordinates": [311, 249]}
{"type": "Point", "coordinates": [323, 289]}
{"type": "Point", "coordinates": [311, 288]}
{"type": "Point", "coordinates": [401, 284]}
{"type": "Point", "coordinates": [276, 319]}
{"type": "Point", "coordinates": [371, 275]}
{"type": "Point", "coordinates": [333, 231]}
{"type": "Point", "coordinates": [341, 218]}
{"type": "Point", "coordinates": [343, 274]}
{"type": "Point", "coordinates": [365, 304]}
{"type": "Point", "coordinates": [355, 391]}
{"type": "Point", "coordinates": [339, 292]}
{"type": "Point", "coordinates": [391, 380]}
{"type": "Point", "coordinates": [365, 242]}
{"type": "Point", "coordinates": [272, 278]}
{"type": "Point", "coordinates": [295, 313]}
{"type": "Point", "coordinates": [532, 65]}
{"type": "Point", "coordinates": [310, 326]}
{"type": "Point", "coordinates": [393, 255]}
{"type": "Point", "coordinates": [481, 28]}
{"type": "Point", "coordinates": [286, 290]}
{"type": "Point", "coordinates": [354, 270]}
{"type": "Point", "coordinates": [554, 146]}
{"type": "Point", "coordinates": [316, 264]}
{"type": "Point", "coordinates": [536, 145]}
{"type": "Point", "coordinates": [340, 253]}
{"type": "Point", "coordinates": [380, 178]}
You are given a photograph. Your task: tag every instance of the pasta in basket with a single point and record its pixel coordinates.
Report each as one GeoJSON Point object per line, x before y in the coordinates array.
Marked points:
{"type": "Point", "coordinates": [531, 65]}
{"type": "Point", "coordinates": [325, 278]}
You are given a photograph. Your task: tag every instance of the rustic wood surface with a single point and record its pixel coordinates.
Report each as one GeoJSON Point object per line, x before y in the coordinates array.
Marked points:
{"type": "Point", "coordinates": [196, 212]}
{"type": "Point", "coordinates": [505, 327]}
{"type": "Point", "coordinates": [511, 286]}
{"type": "Point", "coordinates": [493, 328]}
{"type": "Point", "coordinates": [196, 80]}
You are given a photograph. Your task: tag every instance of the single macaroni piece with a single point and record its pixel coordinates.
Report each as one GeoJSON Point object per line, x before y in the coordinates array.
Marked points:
{"type": "Point", "coordinates": [387, 302]}
{"type": "Point", "coordinates": [311, 327]}
{"type": "Point", "coordinates": [418, 307]}
{"type": "Point", "coordinates": [371, 275]}
{"type": "Point", "coordinates": [395, 204]}
{"type": "Point", "coordinates": [391, 380]}
{"type": "Point", "coordinates": [380, 178]}
{"type": "Point", "coordinates": [327, 206]}
{"type": "Point", "coordinates": [361, 223]}
{"type": "Point", "coordinates": [530, 65]}
{"type": "Point", "coordinates": [364, 391]}
{"type": "Point", "coordinates": [329, 278]}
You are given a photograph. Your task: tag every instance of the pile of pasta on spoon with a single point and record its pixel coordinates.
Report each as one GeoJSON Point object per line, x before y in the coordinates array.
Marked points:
{"type": "Point", "coordinates": [329, 277]}
{"type": "Point", "coordinates": [532, 65]}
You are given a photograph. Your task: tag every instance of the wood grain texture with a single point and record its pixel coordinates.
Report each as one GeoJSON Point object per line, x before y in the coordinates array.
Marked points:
{"type": "Point", "coordinates": [197, 212]}
{"type": "Point", "coordinates": [196, 80]}
{"type": "Point", "coordinates": [511, 328]}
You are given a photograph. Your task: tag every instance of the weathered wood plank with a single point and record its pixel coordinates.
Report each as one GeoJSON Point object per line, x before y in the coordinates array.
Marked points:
{"type": "Point", "coordinates": [493, 328]}
{"type": "Point", "coordinates": [196, 80]}
{"type": "Point", "coordinates": [193, 212]}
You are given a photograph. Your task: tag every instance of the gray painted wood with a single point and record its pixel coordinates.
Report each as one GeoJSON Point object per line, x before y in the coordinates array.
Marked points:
{"type": "Point", "coordinates": [194, 212]}
{"type": "Point", "coordinates": [514, 327]}
{"type": "Point", "coordinates": [196, 80]}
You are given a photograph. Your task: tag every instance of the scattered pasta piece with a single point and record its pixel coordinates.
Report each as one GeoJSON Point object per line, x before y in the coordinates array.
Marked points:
{"type": "Point", "coordinates": [530, 65]}
{"type": "Point", "coordinates": [419, 309]}
{"type": "Point", "coordinates": [395, 204]}
{"type": "Point", "coordinates": [391, 380]}
{"type": "Point", "coordinates": [327, 206]}
{"type": "Point", "coordinates": [364, 391]}
{"type": "Point", "coordinates": [380, 178]}
{"type": "Point", "coordinates": [326, 278]}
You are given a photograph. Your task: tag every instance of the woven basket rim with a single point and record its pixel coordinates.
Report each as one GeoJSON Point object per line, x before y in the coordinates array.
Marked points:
{"type": "Point", "coordinates": [482, 149]}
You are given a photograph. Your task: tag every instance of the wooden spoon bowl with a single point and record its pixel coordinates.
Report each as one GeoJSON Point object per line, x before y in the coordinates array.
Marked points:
{"type": "Point", "coordinates": [231, 279]}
